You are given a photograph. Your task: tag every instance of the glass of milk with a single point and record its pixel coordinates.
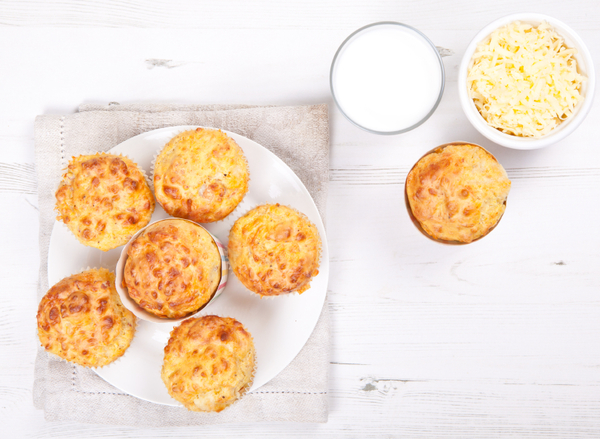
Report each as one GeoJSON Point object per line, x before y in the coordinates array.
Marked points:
{"type": "Point", "coordinates": [387, 78]}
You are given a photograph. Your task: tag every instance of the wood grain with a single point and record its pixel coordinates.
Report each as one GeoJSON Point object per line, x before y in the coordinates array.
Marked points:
{"type": "Point", "coordinates": [17, 178]}
{"type": "Point", "coordinates": [371, 175]}
{"type": "Point", "coordinates": [21, 178]}
{"type": "Point", "coordinates": [240, 14]}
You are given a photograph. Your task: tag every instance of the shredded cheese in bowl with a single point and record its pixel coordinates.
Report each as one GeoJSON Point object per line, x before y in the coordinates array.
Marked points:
{"type": "Point", "coordinates": [524, 80]}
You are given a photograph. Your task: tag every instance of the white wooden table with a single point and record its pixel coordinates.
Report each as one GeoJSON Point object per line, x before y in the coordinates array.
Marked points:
{"type": "Point", "coordinates": [497, 338]}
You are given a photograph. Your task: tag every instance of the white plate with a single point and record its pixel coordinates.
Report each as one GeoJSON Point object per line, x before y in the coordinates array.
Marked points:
{"type": "Point", "coordinates": [280, 326]}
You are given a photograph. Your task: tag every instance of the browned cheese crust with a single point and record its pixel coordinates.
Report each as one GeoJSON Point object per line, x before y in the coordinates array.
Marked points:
{"type": "Point", "coordinates": [457, 193]}
{"type": "Point", "coordinates": [82, 319]}
{"type": "Point", "coordinates": [104, 200]}
{"type": "Point", "coordinates": [274, 250]}
{"type": "Point", "coordinates": [201, 175]}
{"type": "Point", "coordinates": [173, 268]}
{"type": "Point", "coordinates": [209, 363]}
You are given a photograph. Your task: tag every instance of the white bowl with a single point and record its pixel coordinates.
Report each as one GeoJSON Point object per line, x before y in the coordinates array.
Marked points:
{"type": "Point", "coordinates": [585, 67]}
{"type": "Point", "coordinates": [141, 313]}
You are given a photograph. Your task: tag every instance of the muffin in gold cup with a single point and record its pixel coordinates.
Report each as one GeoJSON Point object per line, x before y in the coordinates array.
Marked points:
{"type": "Point", "coordinates": [456, 193]}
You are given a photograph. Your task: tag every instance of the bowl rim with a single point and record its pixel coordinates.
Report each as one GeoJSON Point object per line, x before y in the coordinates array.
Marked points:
{"type": "Point", "coordinates": [410, 28]}
{"type": "Point", "coordinates": [141, 313]}
{"type": "Point", "coordinates": [559, 133]}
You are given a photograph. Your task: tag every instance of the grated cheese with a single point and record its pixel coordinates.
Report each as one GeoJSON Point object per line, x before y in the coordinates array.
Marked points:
{"type": "Point", "coordinates": [524, 79]}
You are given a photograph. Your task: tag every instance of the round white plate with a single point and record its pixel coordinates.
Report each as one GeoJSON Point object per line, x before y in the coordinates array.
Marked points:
{"type": "Point", "coordinates": [280, 326]}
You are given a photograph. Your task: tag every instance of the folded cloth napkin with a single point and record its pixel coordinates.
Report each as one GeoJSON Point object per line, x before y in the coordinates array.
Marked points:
{"type": "Point", "coordinates": [299, 135]}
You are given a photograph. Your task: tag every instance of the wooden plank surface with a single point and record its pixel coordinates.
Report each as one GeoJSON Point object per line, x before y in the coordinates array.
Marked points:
{"type": "Point", "coordinates": [495, 339]}
{"type": "Point", "coordinates": [266, 14]}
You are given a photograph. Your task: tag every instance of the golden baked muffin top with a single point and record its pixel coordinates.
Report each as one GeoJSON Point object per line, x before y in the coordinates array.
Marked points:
{"type": "Point", "coordinates": [274, 250]}
{"type": "Point", "coordinates": [104, 200]}
{"type": "Point", "coordinates": [201, 175]}
{"type": "Point", "coordinates": [173, 268]}
{"type": "Point", "coordinates": [457, 192]}
{"type": "Point", "coordinates": [82, 319]}
{"type": "Point", "coordinates": [209, 363]}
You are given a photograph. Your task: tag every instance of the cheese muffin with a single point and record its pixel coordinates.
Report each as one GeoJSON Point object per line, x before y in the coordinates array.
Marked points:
{"type": "Point", "coordinates": [208, 363]}
{"type": "Point", "coordinates": [274, 250]}
{"type": "Point", "coordinates": [201, 175]}
{"type": "Point", "coordinates": [81, 319]}
{"type": "Point", "coordinates": [104, 200]}
{"type": "Point", "coordinates": [457, 193]}
{"type": "Point", "coordinates": [173, 268]}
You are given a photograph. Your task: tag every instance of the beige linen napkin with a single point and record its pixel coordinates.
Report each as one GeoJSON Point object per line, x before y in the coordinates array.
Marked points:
{"type": "Point", "coordinates": [299, 135]}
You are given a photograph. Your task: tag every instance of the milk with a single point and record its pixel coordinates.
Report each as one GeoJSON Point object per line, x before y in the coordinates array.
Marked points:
{"type": "Point", "coordinates": [387, 78]}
